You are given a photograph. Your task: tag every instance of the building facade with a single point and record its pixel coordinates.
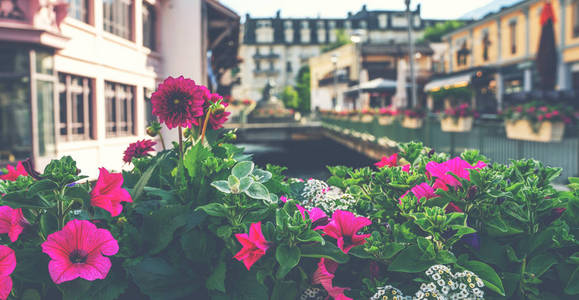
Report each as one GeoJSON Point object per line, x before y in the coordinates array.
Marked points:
{"type": "Point", "coordinates": [505, 45]}
{"type": "Point", "coordinates": [276, 48]}
{"type": "Point", "coordinates": [76, 75]}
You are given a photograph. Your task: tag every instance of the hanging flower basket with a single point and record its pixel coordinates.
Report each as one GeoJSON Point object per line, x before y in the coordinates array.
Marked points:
{"type": "Point", "coordinates": [546, 131]}
{"type": "Point", "coordinates": [412, 123]}
{"type": "Point", "coordinates": [386, 120]}
{"type": "Point", "coordinates": [462, 124]}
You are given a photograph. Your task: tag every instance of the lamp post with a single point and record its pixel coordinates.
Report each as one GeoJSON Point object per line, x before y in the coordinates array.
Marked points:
{"type": "Point", "coordinates": [411, 54]}
{"type": "Point", "coordinates": [356, 38]}
{"type": "Point", "coordinates": [334, 60]}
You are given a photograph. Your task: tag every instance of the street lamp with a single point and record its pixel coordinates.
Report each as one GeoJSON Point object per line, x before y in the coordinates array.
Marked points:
{"type": "Point", "coordinates": [411, 53]}
{"type": "Point", "coordinates": [356, 38]}
{"type": "Point", "coordinates": [334, 60]}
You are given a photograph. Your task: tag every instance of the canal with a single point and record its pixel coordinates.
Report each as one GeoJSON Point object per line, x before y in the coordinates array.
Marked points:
{"type": "Point", "coordinates": [305, 159]}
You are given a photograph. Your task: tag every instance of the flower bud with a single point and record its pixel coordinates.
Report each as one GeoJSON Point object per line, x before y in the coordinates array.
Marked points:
{"type": "Point", "coordinates": [154, 129]}
{"type": "Point", "coordinates": [187, 133]}
{"type": "Point", "coordinates": [219, 109]}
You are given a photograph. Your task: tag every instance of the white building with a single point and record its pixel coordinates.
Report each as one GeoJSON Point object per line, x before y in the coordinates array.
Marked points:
{"type": "Point", "coordinates": [74, 79]}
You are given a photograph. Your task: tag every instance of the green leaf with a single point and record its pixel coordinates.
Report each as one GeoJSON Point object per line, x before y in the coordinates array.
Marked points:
{"type": "Point", "coordinates": [574, 258]}
{"type": "Point", "coordinates": [391, 249]}
{"type": "Point", "coordinates": [328, 250]}
{"type": "Point", "coordinates": [539, 264]}
{"type": "Point", "coordinates": [110, 288]}
{"type": "Point", "coordinates": [410, 260]}
{"type": "Point", "coordinates": [22, 199]}
{"type": "Point", "coordinates": [222, 186]}
{"type": "Point", "coordinates": [245, 183]}
{"type": "Point", "coordinates": [31, 294]}
{"type": "Point", "coordinates": [214, 209]}
{"type": "Point", "coordinates": [197, 246]}
{"type": "Point", "coordinates": [242, 169]}
{"type": "Point", "coordinates": [193, 159]}
{"type": "Point", "coordinates": [45, 185]}
{"type": "Point", "coordinates": [137, 190]}
{"type": "Point", "coordinates": [287, 256]}
{"type": "Point", "coordinates": [233, 183]}
{"type": "Point", "coordinates": [258, 191]}
{"type": "Point", "coordinates": [359, 252]}
{"type": "Point", "coordinates": [216, 281]}
{"type": "Point", "coordinates": [261, 176]}
{"type": "Point", "coordinates": [285, 290]}
{"type": "Point", "coordinates": [572, 287]}
{"type": "Point", "coordinates": [158, 228]}
{"type": "Point", "coordinates": [311, 236]}
{"type": "Point", "coordinates": [488, 275]}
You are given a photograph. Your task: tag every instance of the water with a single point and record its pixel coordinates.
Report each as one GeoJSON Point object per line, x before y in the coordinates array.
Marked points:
{"type": "Point", "coordinates": [306, 159]}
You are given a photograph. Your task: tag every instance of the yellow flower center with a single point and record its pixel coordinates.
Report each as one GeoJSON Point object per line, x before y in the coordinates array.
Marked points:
{"type": "Point", "coordinates": [176, 101]}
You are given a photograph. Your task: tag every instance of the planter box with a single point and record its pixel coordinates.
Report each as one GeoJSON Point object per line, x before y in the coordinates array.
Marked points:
{"type": "Point", "coordinates": [386, 120]}
{"type": "Point", "coordinates": [366, 118]}
{"type": "Point", "coordinates": [461, 125]}
{"type": "Point", "coordinates": [413, 123]}
{"type": "Point", "coordinates": [523, 130]}
{"type": "Point", "coordinates": [355, 118]}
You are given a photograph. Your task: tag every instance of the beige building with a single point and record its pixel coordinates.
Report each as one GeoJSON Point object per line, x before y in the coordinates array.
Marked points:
{"type": "Point", "coordinates": [75, 76]}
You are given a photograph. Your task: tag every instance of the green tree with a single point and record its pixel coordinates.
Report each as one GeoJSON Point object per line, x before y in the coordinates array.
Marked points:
{"type": "Point", "coordinates": [303, 88]}
{"type": "Point", "coordinates": [341, 40]}
{"type": "Point", "coordinates": [290, 97]}
{"type": "Point", "coordinates": [435, 33]}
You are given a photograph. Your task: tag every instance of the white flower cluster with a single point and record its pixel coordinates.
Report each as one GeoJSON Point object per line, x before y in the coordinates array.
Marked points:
{"type": "Point", "coordinates": [389, 293]}
{"type": "Point", "coordinates": [444, 286]}
{"type": "Point", "coordinates": [317, 193]}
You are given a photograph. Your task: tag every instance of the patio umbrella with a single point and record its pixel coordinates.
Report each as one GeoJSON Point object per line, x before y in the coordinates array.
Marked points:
{"type": "Point", "coordinates": [400, 98]}
{"type": "Point", "coordinates": [547, 54]}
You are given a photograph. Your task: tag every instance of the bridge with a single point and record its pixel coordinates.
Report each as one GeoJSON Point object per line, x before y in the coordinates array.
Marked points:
{"type": "Point", "coordinates": [277, 132]}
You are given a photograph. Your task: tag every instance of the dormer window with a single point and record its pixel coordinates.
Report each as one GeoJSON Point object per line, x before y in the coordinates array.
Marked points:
{"type": "Point", "coordinates": [383, 21]}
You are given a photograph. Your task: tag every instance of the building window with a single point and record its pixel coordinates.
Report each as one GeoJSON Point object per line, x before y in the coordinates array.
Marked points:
{"type": "Point", "coordinates": [576, 19]}
{"type": "Point", "coordinates": [79, 9]}
{"type": "Point", "coordinates": [288, 24]}
{"type": "Point", "coordinates": [321, 36]}
{"type": "Point", "coordinates": [257, 65]}
{"type": "Point", "coordinates": [75, 107]}
{"type": "Point", "coordinates": [305, 25]}
{"type": "Point", "coordinates": [271, 65]}
{"type": "Point", "coordinates": [149, 26]}
{"type": "Point", "coordinates": [119, 103]}
{"type": "Point", "coordinates": [363, 24]}
{"type": "Point", "coordinates": [263, 24]}
{"type": "Point", "coordinates": [383, 21]}
{"type": "Point", "coordinates": [288, 67]}
{"type": "Point", "coordinates": [513, 36]}
{"type": "Point", "coordinates": [486, 43]}
{"type": "Point", "coordinates": [462, 55]}
{"type": "Point", "coordinates": [332, 24]}
{"type": "Point", "coordinates": [118, 17]}
{"type": "Point", "coordinates": [149, 106]}
{"type": "Point", "coordinates": [305, 36]}
{"type": "Point", "coordinates": [348, 25]}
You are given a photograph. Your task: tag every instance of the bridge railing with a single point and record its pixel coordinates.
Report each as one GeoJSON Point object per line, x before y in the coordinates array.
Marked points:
{"type": "Point", "coordinates": [487, 135]}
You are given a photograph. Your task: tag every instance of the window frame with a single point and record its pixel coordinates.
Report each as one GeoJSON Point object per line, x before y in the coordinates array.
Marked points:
{"type": "Point", "coordinates": [86, 90]}
{"type": "Point", "coordinates": [513, 36]}
{"type": "Point", "coordinates": [86, 9]}
{"type": "Point", "coordinates": [118, 93]}
{"type": "Point", "coordinates": [149, 13]}
{"type": "Point", "coordinates": [124, 28]}
{"type": "Point", "coordinates": [575, 24]}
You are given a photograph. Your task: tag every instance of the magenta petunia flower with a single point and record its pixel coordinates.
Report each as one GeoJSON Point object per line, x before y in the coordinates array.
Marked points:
{"type": "Point", "coordinates": [12, 221]}
{"type": "Point", "coordinates": [317, 216]}
{"type": "Point", "coordinates": [391, 161]}
{"type": "Point", "coordinates": [451, 207]}
{"type": "Point", "coordinates": [178, 102]}
{"type": "Point", "coordinates": [456, 166]}
{"type": "Point", "coordinates": [324, 276]}
{"type": "Point", "coordinates": [254, 245]}
{"type": "Point", "coordinates": [14, 173]}
{"type": "Point", "coordinates": [344, 228]}
{"type": "Point", "coordinates": [138, 149]}
{"type": "Point", "coordinates": [406, 168]}
{"type": "Point", "coordinates": [77, 251]}
{"type": "Point", "coordinates": [108, 193]}
{"type": "Point", "coordinates": [7, 266]}
{"type": "Point", "coordinates": [423, 190]}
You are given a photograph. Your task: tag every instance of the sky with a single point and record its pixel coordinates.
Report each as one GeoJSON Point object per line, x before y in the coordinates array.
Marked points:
{"type": "Point", "coordinates": [431, 9]}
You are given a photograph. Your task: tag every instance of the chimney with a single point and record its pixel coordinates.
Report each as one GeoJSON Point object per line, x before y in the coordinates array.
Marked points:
{"type": "Point", "coordinates": [349, 14]}
{"type": "Point", "coordinates": [364, 7]}
{"type": "Point", "coordinates": [418, 9]}
{"type": "Point", "coordinates": [278, 13]}
{"type": "Point", "coordinates": [247, 17]}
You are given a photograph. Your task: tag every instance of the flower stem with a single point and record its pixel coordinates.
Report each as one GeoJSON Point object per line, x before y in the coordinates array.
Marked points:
{"type": "Point", "coordinates": [162, 141]}
{"type": "Point", "coordinates": [205, 124]}
{"type": "Point", "coordinates": [181, 142]}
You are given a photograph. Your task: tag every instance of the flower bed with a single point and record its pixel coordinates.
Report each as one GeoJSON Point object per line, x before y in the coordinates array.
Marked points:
{"type": "Point", "coordinates": [458, 119]}
{"type": "Point", "coordinates": [413, 118]}
{"type": "Point", "coordinates": [201, 221]}
{"type": "Point", "coordinates": [537, 121]}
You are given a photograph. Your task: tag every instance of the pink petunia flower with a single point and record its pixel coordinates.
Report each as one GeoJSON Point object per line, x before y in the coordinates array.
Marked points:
{"type": "Point", "coordinates": [138, 149]}
{"type": "Point", "coordinates": [14, 173]}
{"type": "Point", "coordinates": [254, 245]}
{"type": "Point", "coordinates": [406, 168]}
{"type": "Point", "coordinates": [456, 166]}
{"type": "Point", "coordinates": [344, 228]}
{"type": "Point", "coordinates": [451, 207]}
{"type": "Point", "coordinates": [108, 193]}
{"type": "Point", "coordinates": [12, 221]}
{"type": "Point", "coordinates": [7, 266]}
{"type": "Point", "coordinates": [402, 197]}
{"type": "Point", "coordinates": [391, 161]}
{"type": "Point", "coordinates": [324, 276]}
{"type": "Point", "coordinates": [283, 199]}
{"type": "Point", "coordinates": [423, 190]}
{"type": "Point", "coordinates": [317, 216]}
{"type": "Point", "coordinates": [77, 251]}
{"type": "Point", "coordinates": [178, 102]}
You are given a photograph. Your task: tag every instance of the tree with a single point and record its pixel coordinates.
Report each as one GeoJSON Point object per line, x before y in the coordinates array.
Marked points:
{"type": "Point", "coordinates": [303, 88]}
{"type": "Point", "coordinates": [290, 97]}
{"type": "Point", "coordinates": [434, 33]}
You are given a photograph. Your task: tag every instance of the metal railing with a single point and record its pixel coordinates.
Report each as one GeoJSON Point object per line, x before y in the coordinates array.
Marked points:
{"type": "Point", "coordinates": [487, 135]}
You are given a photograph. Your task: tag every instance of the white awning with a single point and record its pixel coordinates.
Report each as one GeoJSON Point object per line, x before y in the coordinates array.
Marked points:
{"type": "Point", "coordinates": [449, 82]}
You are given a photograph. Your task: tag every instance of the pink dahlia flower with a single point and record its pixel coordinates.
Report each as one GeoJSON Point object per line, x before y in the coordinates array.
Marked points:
{"type": "Point", "coordinates": [12, 222]}
{"type": "Point", "coordinates": [254, 245]}
{"type": "Point", "coordinates": [391, 161]}
{"type": "Point", "coordinates": [178, 102]}
{"type": "Point", "coordinates": [324, 276]}
{"type": "Point", "coordinates": [344, 228]}
{"type": "Point", "coordinates": [14, 173]}
{"type": "Point", "coordinates": [77, 251]}
{"type": "Point", "coordinates": [138, 149]}
{"type": "Point", "coordinates": [218, 118]}
{"type": "Point", "coordinates": [7, 265]}
{"type": "Point", "coordinates": [108, 193]}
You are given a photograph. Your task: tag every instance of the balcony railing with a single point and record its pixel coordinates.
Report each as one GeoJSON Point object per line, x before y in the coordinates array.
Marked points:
{"type": "Point", "coordinates": [487, 135]}
{"type": "Point", "coordinates": [266, 56]}
{"type": "Point", "coordinates": [268, 72]}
